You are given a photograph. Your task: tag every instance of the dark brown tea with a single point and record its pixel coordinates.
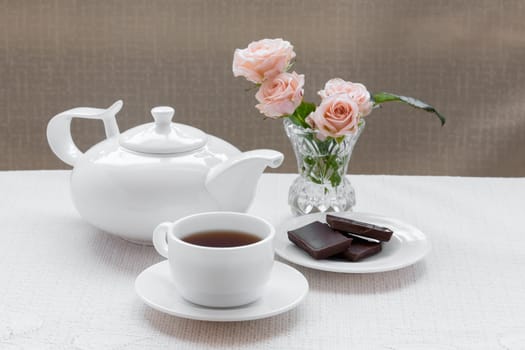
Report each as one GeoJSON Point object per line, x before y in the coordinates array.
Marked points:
{"type": "Point", "coordinates": [221, 239]}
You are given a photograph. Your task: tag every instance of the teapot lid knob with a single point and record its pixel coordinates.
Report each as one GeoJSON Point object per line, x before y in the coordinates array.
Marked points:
{"type": "Point", "coordinates": [163, 116]}
{"type": "Point", "coordinates": [163, 136]}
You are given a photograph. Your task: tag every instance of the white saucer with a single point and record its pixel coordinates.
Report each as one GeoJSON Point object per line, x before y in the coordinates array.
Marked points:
{"type": "Point", "coordinates": [407, 245]}
{"type": "Point", "coordinates": [286, 289]}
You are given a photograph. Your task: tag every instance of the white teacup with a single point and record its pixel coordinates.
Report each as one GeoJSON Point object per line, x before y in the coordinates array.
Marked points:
{"type": "Point", "coordinates": [216, 276]}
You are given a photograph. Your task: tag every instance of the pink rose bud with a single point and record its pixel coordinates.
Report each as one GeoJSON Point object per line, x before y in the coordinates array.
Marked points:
{"type": "Point", "coordinates": [356, 90]}
{"type": "Point", "coordinates": [337, 115]}
{"type": "Point", "coordinates": [262, 59]}
{"type": "Point", "coordinates": [280, 95]}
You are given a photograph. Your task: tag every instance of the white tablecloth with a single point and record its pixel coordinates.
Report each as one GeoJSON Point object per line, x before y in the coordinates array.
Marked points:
{"type": "Point", "coordinates": [66, 285]}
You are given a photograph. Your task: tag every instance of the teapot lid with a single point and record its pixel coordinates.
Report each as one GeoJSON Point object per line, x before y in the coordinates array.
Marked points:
{"type": "Point", "coordinates": [163, 136]}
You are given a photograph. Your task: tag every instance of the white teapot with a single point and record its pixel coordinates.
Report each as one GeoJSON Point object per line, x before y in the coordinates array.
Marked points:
{"type": "Point", "coordinates": [155, 172]}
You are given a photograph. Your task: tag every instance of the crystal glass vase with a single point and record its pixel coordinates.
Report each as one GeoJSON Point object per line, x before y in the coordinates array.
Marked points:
{"type": "Point", "coordinates": [321, 185]}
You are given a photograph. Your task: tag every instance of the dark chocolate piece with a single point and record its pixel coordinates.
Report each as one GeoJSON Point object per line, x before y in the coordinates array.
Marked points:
{"type": "Point", "coordinates": [359, 228]}
{"type": "Point", "coordinates": [360, 249]}
{"type": "Point", "coordinates": [319, 240]}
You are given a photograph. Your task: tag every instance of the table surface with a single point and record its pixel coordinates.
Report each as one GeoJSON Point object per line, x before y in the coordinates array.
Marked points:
{"type": "Point", "coordinates": [67, 285]}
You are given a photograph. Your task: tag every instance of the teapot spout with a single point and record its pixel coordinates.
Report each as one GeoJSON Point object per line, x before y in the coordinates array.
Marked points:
{"type": "Point", "coordinates": [233, 183]}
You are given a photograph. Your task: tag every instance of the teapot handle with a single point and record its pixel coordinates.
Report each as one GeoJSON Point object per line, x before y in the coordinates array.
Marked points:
{"type": "Point", "coordinates": [59, 129]}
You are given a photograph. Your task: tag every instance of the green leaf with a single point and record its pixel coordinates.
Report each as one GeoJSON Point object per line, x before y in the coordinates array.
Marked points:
{"type": "Point", "coordinates": [335, 179]}
{"type": "Point", "coordinates": [304, 109]}
{"type": "Point", "coordinates": [309, 160]}
{"type": "Point", "coordinates": [339, 139]}
{"type": "Point", "coordinates": [382, 97]}
{"type": "Point", "coordinates": [297, 120]}
{"type": "Point", "coordinates": [298, 117]}
{"type": "Point", "coordinates": [289, 66]}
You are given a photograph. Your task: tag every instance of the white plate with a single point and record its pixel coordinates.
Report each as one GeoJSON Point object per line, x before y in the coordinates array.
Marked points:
{"type": "Point", "coordinates": [286, 289]}
{"type": "Point", "coordinates": [407, 245]}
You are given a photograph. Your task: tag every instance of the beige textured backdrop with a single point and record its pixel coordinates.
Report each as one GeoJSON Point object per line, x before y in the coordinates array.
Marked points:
{"type": "Point", "coordinates": [466, 57]}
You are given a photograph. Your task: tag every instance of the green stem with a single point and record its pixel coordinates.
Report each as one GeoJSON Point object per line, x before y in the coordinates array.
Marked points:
{"type": "Point", "coordinates": [326, 166]}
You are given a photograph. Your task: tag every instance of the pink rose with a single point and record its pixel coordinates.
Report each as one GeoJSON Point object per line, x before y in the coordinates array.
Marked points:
{"type": "Point", "coordinates": [262, 59]}
{"type": "Point", "coordinates": [356, 90]}
{"type": "Point", "coordinates": [280, 95]}
{"type": "Point", "coordinates": [337, 115]}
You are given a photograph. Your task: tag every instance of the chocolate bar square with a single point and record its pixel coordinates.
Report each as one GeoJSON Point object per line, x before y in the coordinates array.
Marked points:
{"type": "Point", "coordinates": [359, 228]}
{"type": "Point", "coordinates": [319, 240]}
{"type": "Point", "coordinates": [360, 249]}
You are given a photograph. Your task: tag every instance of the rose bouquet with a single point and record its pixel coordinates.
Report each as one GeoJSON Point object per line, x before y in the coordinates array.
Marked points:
{"type": "Point", "coordinates": [322, 135]}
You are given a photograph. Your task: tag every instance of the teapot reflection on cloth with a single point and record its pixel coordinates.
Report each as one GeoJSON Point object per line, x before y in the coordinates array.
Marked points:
{"type": "Point", "coordinates": [161, 171]}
